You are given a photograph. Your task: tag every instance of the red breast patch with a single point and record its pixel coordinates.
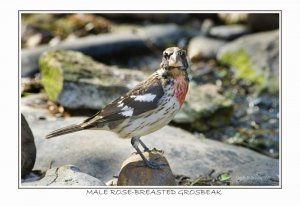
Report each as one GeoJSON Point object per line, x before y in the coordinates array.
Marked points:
{"type": "Point", "coordinates": [181, 88]}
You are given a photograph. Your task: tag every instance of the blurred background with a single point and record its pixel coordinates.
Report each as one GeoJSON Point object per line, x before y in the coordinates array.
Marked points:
{"type": "Point", "coordinates": [73, 64]}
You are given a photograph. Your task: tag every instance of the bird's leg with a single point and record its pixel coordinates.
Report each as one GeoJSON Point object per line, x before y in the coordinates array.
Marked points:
{"type": "Point", "coordinates": [146, 149]}
{"type": "Point", "coordinates": [135, 143]}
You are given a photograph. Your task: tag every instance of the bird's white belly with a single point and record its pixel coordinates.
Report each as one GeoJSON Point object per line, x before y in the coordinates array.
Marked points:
{"type": "Point", "coordinates": [149, 122]}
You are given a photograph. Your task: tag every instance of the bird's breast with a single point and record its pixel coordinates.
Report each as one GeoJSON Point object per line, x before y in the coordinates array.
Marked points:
{"type": "Point", "coordinates": [180, 88]}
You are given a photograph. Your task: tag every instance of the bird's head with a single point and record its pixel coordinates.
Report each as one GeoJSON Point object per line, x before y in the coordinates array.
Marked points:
{"type": "Point", "coordinates": [174, 57]}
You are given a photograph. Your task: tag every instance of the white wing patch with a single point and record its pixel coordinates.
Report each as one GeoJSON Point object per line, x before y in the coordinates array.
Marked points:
{"type": "Point", "coordinates": [127, 111]}
{"type": "Point", "coordinates": [126, 108]}
{"type": "Point", "coordinates": [145, 97]}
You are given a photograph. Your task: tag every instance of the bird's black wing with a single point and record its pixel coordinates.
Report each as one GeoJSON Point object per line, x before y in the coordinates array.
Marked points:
{"type": "Point", "coordinates": [131, 103]}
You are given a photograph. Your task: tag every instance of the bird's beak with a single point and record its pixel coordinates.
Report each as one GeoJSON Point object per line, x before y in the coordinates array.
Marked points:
{"type": "Point", "coordinates": [174, 61]}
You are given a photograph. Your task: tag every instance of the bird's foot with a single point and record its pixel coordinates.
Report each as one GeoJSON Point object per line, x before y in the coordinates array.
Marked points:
{"type": "Point", "coordinates": [147, 150]}
{"type": "Point", "coordinates": [156, 150]}
{"type": "Point", "coordinates": [151, 150]}
{"type": "Point", "coordinates": [151, 164]}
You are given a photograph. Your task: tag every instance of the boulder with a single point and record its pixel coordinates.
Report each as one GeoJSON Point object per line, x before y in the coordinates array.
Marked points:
{"type": "Point", "coordinates": [255, 58]}
{"type": "Point", "coordinates": [67, 175]}
{"type": "Point", "coordinates": [228, 32]}
{"type": "Point", "coordinates": [133, 174]}
{"type": "Point", "coordinates": [111, 45]}
{"type": "Point", "coordinates": [204, 108]}
{"type": "Point", "coordinates": [255, 21]}
{"type": "Point", "coordinates": [233, 18]}
{"type": "Point", "coordinates": [206, 25]}
{"type": "Point", "coordinates": [146, 17]}
{"type": "Point", "coordinates": [77, 81]}
{"type": "Point", "coordinates": [201, 47]}
{"type": "Point", "coordinates": [28, 149]}
{"type": "Point", "coordinates": [101, 153]}
{"type": "Point", "coordinates": [263, 22]}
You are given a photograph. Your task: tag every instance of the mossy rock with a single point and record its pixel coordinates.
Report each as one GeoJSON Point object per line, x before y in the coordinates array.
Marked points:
{"type": "Point", "coordinates": [255, 58]}
{"type": "Point", "coordinates": [241, 60]}
{"type": "Point", "coordinates": [77, 81]}
{"type": "Point", "coordinates": [205, 108]}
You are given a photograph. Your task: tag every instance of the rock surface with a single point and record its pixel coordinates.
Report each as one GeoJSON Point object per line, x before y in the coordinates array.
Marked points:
{"type": "Point", "coordinates": [264, 176]}
{"type": "Point", "coordinates": [28, 149]}
{"type": "Point", "coordinates": [143, 175]}
{"type": "Point", "coordinates": [233, 18]}
{"type": "Point", "coordinates": [109, 45]}
{"type": "Point", "coordinates": [203, 48]}
{"type": "Point", "coordinates": [204, 108]}
{"type": "Point", "coordinates": [101, 153]}
{"type": "Point", "coordinates": [67, 175]}
{"type": "Point", "coordinates": [112, 182]}
{"type": "Point", "coordinates": [255, 58]}
{"type": "Point", "coordinates": [263, 22]}
{"type": "Point", "coordinates": [76, 81]}
{"type": "Point", "coordinates": [157, 17]}
{"type": "Point", "coordinates": [228, 32]}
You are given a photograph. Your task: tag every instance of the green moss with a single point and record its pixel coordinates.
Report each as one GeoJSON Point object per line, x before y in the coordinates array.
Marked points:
{"type": "Point", "coordinates": [52, 76]}
{"type": "Point", "coordinates": [57, 66]}
{"type": "Point", "coordinates": [244, 68]}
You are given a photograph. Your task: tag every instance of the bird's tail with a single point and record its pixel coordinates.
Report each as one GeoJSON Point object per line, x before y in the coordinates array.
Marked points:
{"type": "Point", "coordinates": [65, 130]}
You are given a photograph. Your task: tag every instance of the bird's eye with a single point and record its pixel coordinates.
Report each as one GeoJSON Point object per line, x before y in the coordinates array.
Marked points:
{"type": "Point", "coordinates": [181, 53]}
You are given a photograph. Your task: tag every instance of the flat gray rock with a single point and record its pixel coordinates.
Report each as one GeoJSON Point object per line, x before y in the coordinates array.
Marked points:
{"type": "Point", "coordinates": [264, 175]}
{"type": "Point", "coordinates": [67, 175]}
{"type": "Point", "coordinates": [101, 153]}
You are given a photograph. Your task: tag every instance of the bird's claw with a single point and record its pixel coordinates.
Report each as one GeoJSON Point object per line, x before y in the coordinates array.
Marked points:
{"type": "Point", "coordinates": [155, 165]}
{"type": "Point", "coordinates": [152, 164]}
{"type": "Point", "coordinates": [157, 150]}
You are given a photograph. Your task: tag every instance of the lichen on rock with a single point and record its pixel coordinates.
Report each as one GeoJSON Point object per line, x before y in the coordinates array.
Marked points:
{"type": "Point", "coordinates": [255, 58]}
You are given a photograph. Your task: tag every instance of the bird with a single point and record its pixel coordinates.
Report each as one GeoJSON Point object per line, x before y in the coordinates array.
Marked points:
{"type": "Point", "coordinates": [144, 109]}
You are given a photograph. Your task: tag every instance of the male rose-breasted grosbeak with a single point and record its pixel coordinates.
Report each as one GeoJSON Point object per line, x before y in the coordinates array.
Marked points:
{"type": "Point", "coordinates": [149, 106]}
